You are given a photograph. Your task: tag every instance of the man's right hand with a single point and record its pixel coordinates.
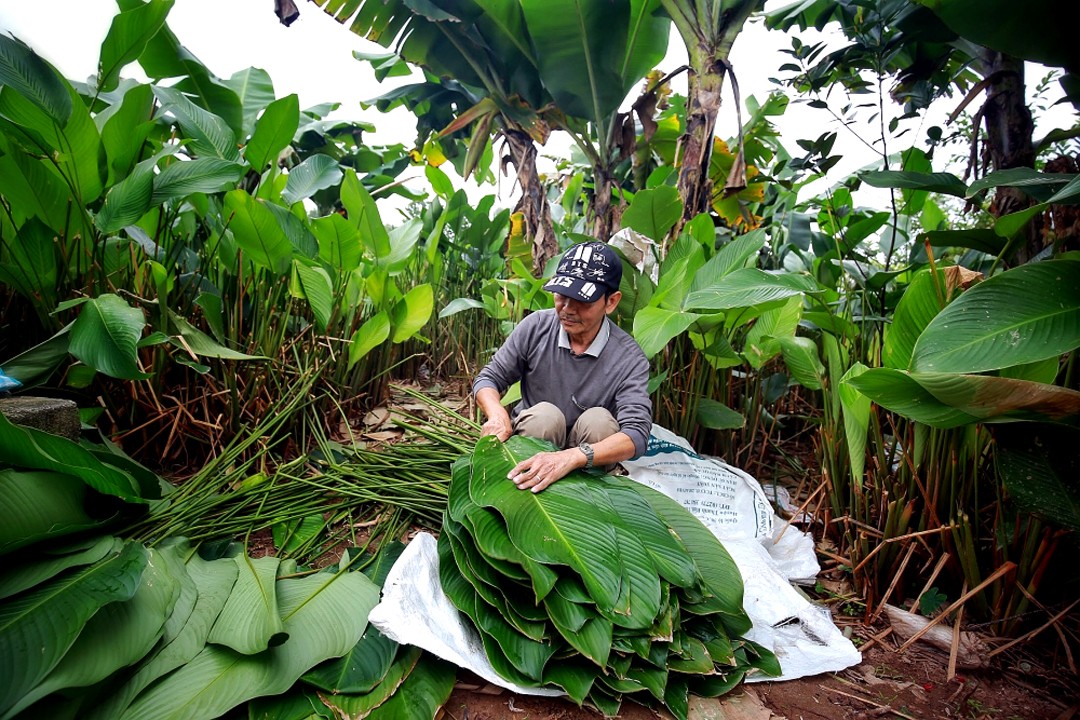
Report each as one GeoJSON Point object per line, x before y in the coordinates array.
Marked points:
{"type": "Point", "coordinates": [499, 427]}
{"type": "Point", "coordinates": [498, 419]}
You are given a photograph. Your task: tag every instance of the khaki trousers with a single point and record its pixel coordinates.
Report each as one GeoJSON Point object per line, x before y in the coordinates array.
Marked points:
{"type": "Point", "coordinates": [547, 422]}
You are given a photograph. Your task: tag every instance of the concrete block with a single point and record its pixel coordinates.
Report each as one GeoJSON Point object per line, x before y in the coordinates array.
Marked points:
{"type": "Point", "coordinates": [59, 417]}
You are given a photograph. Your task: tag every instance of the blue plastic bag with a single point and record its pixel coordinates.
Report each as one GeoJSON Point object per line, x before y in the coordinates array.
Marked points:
{"type": "Point", "coordinates": [8, 383]}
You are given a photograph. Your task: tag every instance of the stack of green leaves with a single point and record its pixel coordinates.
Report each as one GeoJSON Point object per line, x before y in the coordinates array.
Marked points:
{"type": "Point", "coordinates": [108, 628]}
{"type": "Point", "coordinates": [600, 586]}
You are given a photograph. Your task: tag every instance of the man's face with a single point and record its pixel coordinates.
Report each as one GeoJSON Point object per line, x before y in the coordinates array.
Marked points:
{"type": "Point", "coordinates": [581, 318]}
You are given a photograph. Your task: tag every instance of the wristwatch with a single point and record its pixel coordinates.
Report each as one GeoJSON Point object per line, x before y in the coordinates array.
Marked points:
{"type": "Point", "coordinates": [587, 449]}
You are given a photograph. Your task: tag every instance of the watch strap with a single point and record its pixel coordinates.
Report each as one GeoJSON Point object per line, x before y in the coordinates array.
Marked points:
{"type": "Point", "coordinates": [588, 450]}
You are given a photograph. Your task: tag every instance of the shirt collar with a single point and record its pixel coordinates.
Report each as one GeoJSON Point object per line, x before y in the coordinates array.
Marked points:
{"type": "Point", "coordinates": [598, 344]}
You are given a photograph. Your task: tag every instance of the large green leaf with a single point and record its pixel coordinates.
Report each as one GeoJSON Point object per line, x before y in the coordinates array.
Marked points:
{"type": "Point", "coordinates": [30, 266]}
{"type": "Point", "coordinates": [359, 670]}
{"type": "Point", "coordinates": [34, 449]}
{"type": "Point", "coordinates": [582, 629]}
{"type": "Point", "coordinates": [1039, 465]}
{"type": "Point", "coordinates": [763, 340]}
{"type": "Point", "coordinates": [567, 524]}
{"type": "Point", "coordinates": [201, 175]}
{"type": "Point", "coordinates": [1029, 313]}
{"type": "Point", "coordinates": [898, 391]}
{"type": "Point", "coordinates": [422, 694]}
{"type": "Point", "coordinates": [715, 415]}
{"type": "Point", "coordinates": [364, 215]}
{"type": "Point", "coordinates": [24, 71]}
{"type": "Point", "coordinates": [739, 253]}
{"type": "Point", "coordinates": [918, 306]}
{"type": "Point", "coordinates": [128, 34]}
{"type": "Point", "coordinates": [213, 582]}
{"type": "Point", "coordinates": [106, 335]}
{"type": "Point", "coordinates": [527, 655]}
{"type": "Point", "coordinates": [199, 343]}
{"type": "Point", "coordinates": [314, 285]}
{"type": "Point", "coordinates": [37, 505]}
{"type": "Point", "coordinates": [720, 575]}
{"type": "Point", "coordinates": [669, 556]}
{"type": "Point", "coordinates": [361, 705]}
{"type": "Point", "coordinates": [488, 531]}
{"type": "Point", "coordinates": [33, 571]}
{"type": "Point", "coordinates": [120, 634]}
{"type": "Point", "coordinates": [1041, 186]}
{"type": "Point", "coordinates": [38, 627]}
{"type": "Point", "coordinates": [593, 53]}
{"type": "Point", "coordinates": [374, 332]}
{"type": "Point", "coordinates": [677, 273]}
{"type": "Point", "coordinates": [324, 616]}
{"type": "Point", "coordinates": [210, 135]}
{"type": "Point", "coordinates": [249, 623]}
{"type": "Point", "coordinates": [255, 90]}
{"type": "Point", "coordinates": [128, 200]}
{"type": "Point", "coordinates": [856, 411]}
{"type": "Point", "coordinates": [942, 182]}
{"type": "Point", "coordinates": [655, 327]}
{"type": "Point", "coordinates": [273, 132]}
{"type": "Point", "coordinates": [314, 174]}
{"type": "Point", "coordinates": [412, 312]}
{"type": "Point", "coordinates": [653, 212]}
{"type": "Point", "coordinates": [1006, 27]}
{"type": "Point", "coordinates": [74, 147]}
{"type": "Point", "coordinates": [124, 128]}
{"type": "Point", "coordinates": [34, 191]}
{"type": "Point", "coordinates": [258, 232]}
{"type": "Point", "coordinates": [802, 361]}
{"type": "Point", "coordinates": [746, 287]}
{"type": "Point", "coordinates": [997, 398]}
{"type": "Point", "coordinates": [339, 242]}
{"type": "Point", "coordinates": [403, 241]}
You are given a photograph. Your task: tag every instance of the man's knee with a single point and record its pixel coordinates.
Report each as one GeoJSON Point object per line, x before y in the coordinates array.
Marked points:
{"type": "Point", "coordinates": [594, 425]}
{"type": "Point", "coordinates": [543, 420]}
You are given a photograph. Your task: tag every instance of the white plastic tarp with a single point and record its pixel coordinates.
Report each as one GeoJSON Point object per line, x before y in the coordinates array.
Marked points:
{"type": "Point", "coordinates": [769, 554]}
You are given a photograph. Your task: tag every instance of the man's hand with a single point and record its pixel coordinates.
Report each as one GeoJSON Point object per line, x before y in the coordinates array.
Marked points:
{"type": "Point", "coordinates": [544, 468]}
{"type": "Point", "coordinates": [498, 418]}
{"type": "Point", "coordinates": [498, 426]}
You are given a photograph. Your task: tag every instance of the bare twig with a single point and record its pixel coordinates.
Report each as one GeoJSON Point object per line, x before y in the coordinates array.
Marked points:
{"type": "Point", "coordinates": [868, 701]}
{"type": "Point", "coordinates": [898, 538]}
{"type": "Point", "coordinates": [896, 579]}
{"type": "Point", "coordinates": [955, 648]}
{"type": "Point", "coordinates": [1033, 633]}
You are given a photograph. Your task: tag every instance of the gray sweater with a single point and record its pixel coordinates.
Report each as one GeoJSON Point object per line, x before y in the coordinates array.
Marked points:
{"type": "Point", "coordinates": [616, 379]}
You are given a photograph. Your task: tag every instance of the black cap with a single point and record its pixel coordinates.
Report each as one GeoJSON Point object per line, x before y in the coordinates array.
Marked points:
{"type": "Point", "coordinates": [586, 272]}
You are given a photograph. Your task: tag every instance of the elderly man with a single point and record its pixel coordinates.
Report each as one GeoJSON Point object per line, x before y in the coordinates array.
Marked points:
{"type": "Point", "coordinates": [583, 379]}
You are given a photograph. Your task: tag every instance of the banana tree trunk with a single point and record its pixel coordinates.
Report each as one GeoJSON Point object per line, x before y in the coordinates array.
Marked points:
{"type": "Point", "coordinates": [702, 109]}
{"type": "Point", "coordinates": [708, 30]}
{"type": "Point", "coordinates": [1009, 129]}
{"type": "Point", "coordinates": [533, 204]}
{"type": "Point", "coordinates": [603, 220]}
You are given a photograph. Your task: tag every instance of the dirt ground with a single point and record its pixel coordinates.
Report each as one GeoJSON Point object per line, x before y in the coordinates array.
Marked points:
{"type": "Point", "coordinates": [887, 684]}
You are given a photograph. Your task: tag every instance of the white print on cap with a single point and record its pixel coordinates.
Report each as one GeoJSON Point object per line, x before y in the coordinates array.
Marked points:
{"type": "Point", "coordinates": [587, 290]}
{"type": "Point", "coordinates": [583, 253]}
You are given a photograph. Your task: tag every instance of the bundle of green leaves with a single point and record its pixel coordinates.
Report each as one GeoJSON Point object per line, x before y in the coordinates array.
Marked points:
{"type": "Point", "coordinates": [598, 585]}
{"type": "Point", "coordinates": [100, 627]}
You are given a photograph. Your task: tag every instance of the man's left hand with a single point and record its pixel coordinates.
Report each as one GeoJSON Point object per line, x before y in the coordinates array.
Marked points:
{"type": "Point", "coordinates": [544, 468]}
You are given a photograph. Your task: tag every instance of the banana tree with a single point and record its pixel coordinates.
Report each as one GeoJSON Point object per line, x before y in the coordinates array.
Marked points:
{"type": "Point", "coordinates": [532, 66]}
{"type": "Point", "coordinates": [708, 28]}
